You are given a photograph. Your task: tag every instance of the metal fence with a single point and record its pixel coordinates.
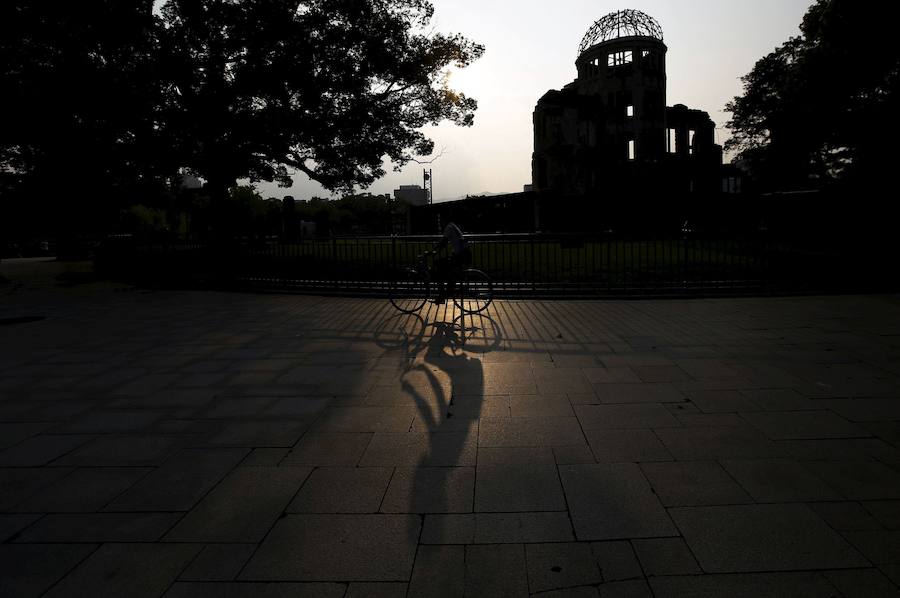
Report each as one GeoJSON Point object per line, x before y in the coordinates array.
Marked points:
{"type": "Point", "coordinates": [602, 264]}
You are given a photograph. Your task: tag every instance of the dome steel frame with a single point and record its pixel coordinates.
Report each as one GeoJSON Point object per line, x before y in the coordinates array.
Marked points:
{"type": "Point", "coordinates": [622, 23]}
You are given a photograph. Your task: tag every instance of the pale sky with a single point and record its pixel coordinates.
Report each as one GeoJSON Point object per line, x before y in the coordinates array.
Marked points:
{"type": "Point", "coordinates": [531, 46]}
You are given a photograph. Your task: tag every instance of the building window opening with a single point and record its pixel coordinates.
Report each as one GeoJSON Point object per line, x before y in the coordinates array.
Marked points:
{"type": "Point", "coordinates": [620, 58]}
{"type": "Point", "coordinates": [631, 152]}
{"type": "Point", "coordinates": [691, 142]}
{"type": "Point", "coordinates": [672, 142]}
{"type": "Point", "coordinates": [629, 111]}
{"type": "Point", "coordinates": [645, 53]}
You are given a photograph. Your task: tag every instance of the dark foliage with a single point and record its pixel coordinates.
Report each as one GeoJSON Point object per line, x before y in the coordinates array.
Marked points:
{"type": "Point", "coordinates": [104, 101]}
{"type": "Point", "coordinates": [822, 107]}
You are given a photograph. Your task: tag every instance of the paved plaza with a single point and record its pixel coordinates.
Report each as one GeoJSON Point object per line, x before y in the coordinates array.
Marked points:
{"type": "Point", "coordinates": [173, 443]}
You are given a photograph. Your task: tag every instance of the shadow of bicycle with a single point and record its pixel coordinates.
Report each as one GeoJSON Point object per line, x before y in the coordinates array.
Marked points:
{"type": "Point", "coordinates": [442, 375]}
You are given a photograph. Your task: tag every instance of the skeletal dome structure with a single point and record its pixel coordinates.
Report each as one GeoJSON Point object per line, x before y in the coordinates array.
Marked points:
{"type": "Point", "coordinates": [622, 23]}
{"type": "Point", "coordinates": [610, 128]}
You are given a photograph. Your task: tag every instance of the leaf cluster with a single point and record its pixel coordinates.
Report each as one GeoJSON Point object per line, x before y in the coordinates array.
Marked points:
{"type": "Point", "coordinates": [820, 107]}
{"type": "Point", "coordinates": [127, 94]}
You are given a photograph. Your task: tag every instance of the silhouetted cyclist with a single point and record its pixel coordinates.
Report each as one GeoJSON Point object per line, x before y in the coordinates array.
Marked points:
{"type": "Point", "coordinates": [448, 267]}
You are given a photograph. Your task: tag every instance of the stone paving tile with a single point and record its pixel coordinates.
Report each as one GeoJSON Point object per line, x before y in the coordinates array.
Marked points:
{"type": "Point", "coordinates": [454, 528]}
{"type": "Point", "coordinates": [85, 490]}
{"type": "Point", "coordinates": [626, 589]}
{"type": "Point", "coordinates": [108, 421]}
{"type": "Point", "coordinates": [365, 419]}
{"type": "Point", "coordinates": [342, 490]}
{"type": "Point", "coordinates": [452, 449]}
{"type": "Point", "coordinates": [843, 449]}
{"type": "Point", "coordinates": [756, 585]}
{"type": "Point", "coordinates": [774, 480]}
{"type": "Point", "coordinates": [265, 457]}
{"type": "Point", "coordinates": [862, 583]}
{"type": "Point", "coordinates": [99, 527]}
{"type": "Point", "coordinates": [17, 484]}
{"type": "Point", "coordinates": [612, 417]}
{"type": "Point", "coordinates": [845, 516]}
{"type": "Point", "coordinates": [111, 451]}
{"type": "Point", "coordinates": [41, 450]}
{"type": "Point", "coordinates": [514, 528]}
{"type": "Point", "coordinates": [616, 560]}
{"type": "Point", "coordinates": [297, 406]}
{"type": "Point", "coordinates": [498, 456]}
{"type": "Point", "coordinates": [323, 449]}
{"type": "Point", "coordinates": [638, 393]}
{"type": "Point", "coordinates": [892, 572]}
{"type": "Point", "coordinates": [863, 410]}
{"type": "Point", "coordinates": [29, 570]}
{"type": "Point", "coordinates": [260, 433]}
{"type": "Point", "coordinates": [439, 571]}
{"type": "Point", "coordinates": [539, 406]}
{"type": "Point", "coordinates": [755, 538]}
{"type": "Point", "coordinates": [565, 380]}
{"type": "Point", "coordinates": [660, 373]}
{"type": "Point", "coordinates": [711, 420]}
{"type": "Point", "coordinates": [573, 455]}
{"type": "Point", "coordinates": [882, 547]}
{"type": "Point", "coordinates": [611, 375]}
{"type": "Point", "coordinates": [242, 508]}
{"type": "Point", "coordinates": [722, 401]}
{"type": "Point", "coordinates": [665, 556]}
{"type": "Point", "coordinates": [887, 512]}
{"type": "Point", "coordinates": [236, 409]}
{"type": "Point", "coordinates": [760, 357]}
{"type": "Point", "coordinates": [430, 490]}
{"type": "Point", "coordinates": [513, 487]}
{"type": "Point", "coordinates": [255, 590]}
{"type": "Point", "coordinates": [782, 399]}
{"type": "Point", "coordinates": [336, 548]}
{"type": "Point", "coordinates": [858, 480]}
{"type": "Point", "coordinates": [559, 566]}
{"type": "Point", "coordinates": [11, 524]}
{"type": "Point", "coordinates": [218, 562]}
{"type": "Point", "coordinates": [12, 434]}
{"type": "Point", "coordinates": [180, 482]}
{"type": "Point", "coordinates": [609, 502]}
{"type": "Point", "coordinates": [804, 425]}
{"type": "Point", "coordinates": [498, 570]}
{"type": "Point", "coordinates": [529, 431]}
{"type": "Point", "coordinates": [134, 570]}
{"type": "Point", "coordinates": [377, 590]}
{"type": "Point", "coordinates": [628, 446]}
{"type": "Point", "coordinates": [696, 444]}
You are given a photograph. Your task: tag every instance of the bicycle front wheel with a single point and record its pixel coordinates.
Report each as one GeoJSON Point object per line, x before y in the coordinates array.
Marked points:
{"type": "Point", "coordinates": [475, 292]}
{"type": "Point", "coordinates": [409, 291]}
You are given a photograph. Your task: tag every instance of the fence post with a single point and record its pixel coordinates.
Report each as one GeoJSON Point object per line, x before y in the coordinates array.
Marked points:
{"type": "Point", "coordinates": [394, 252]}
{"type": "Point", "coordinates": [533, 274]}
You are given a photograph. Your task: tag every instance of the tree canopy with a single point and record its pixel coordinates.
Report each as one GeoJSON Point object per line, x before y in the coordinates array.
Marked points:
{"type": "Point", "coordinates": [820, 108]}
{"type": "Point", "coordinates": [124, 95]}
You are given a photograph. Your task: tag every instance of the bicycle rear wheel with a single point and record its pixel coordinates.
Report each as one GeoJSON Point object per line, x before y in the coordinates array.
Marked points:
{"type": "Point", "coordinates": [409, 291]}
{"type": "Point", "coordinates": [475, 292]}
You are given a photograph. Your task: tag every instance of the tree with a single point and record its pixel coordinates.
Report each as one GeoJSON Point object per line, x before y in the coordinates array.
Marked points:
{"type": "Point", "coordinates": [79, 94]}
{"type": "Point", "coordinates": [328, 88]}
{"type": "Point", "coordinates": [820, 107]}
{"type": "Point", "coordinates": [116, 98]}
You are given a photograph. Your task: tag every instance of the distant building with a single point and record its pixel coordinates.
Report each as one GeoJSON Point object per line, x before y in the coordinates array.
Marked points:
{"type": "Point", "coordinates": [414, 195]}
{"type": "Point", "coordinates": [610, 132]}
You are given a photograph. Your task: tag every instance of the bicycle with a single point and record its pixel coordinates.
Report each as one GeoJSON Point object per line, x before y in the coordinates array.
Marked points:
{"type": "Point", "coordinates": [411, 288]}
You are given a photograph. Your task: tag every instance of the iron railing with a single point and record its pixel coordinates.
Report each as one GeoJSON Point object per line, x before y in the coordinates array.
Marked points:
{"type": "Point", "coordinates": [601, 264]}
